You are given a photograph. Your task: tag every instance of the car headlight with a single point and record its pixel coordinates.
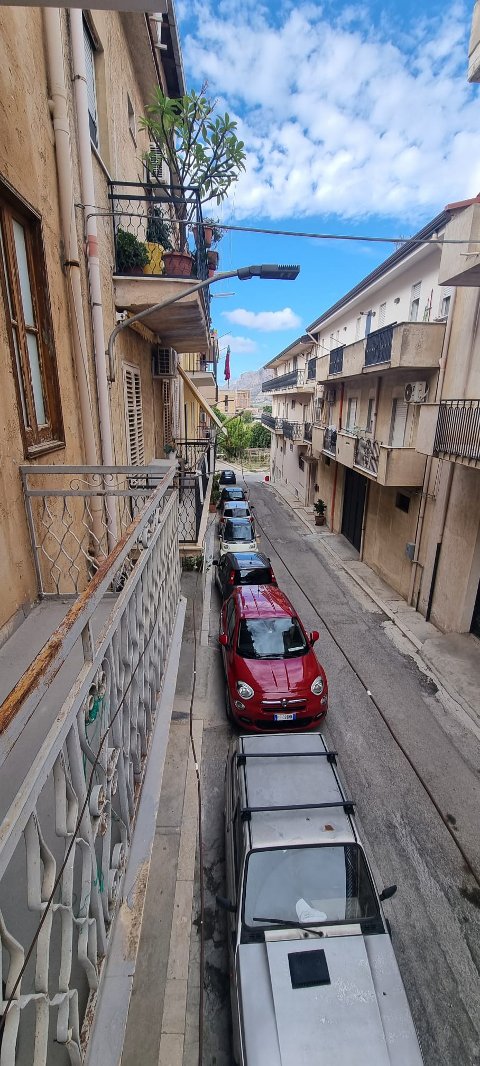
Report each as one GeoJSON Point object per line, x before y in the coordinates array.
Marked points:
{"type": "Point", "coordinates": [317, 686]}
{"type": "Point", "coordinates": [244, 690]}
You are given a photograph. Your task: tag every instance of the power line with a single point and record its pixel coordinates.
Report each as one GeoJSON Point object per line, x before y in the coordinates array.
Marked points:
{"type": "Point", "coordinates": [343, 236]}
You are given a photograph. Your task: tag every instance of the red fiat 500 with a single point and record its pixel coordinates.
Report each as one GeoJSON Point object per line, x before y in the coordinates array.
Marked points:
{"type": "Point", "coordinates": [274, 680]}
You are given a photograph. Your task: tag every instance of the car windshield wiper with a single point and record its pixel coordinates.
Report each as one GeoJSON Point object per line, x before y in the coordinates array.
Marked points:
{"type": "Point", "coordinates": [290, 924]}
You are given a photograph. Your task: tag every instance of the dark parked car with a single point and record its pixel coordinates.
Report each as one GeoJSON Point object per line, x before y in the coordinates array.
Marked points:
{"type": "Point", "coordinates": [242, 568]}
{"type": "Point", "coordinates": [227, 477]}
{"type": "Point", "coordinates": [231, 492]}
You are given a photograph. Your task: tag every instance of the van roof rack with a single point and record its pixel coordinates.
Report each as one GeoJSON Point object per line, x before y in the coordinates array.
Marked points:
{"type": "Point", "coordinates": [348, 807]}
{"type": "Point", "coordinates": [242, 756]}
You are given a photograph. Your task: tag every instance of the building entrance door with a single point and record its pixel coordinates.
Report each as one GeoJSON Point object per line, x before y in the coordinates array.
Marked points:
{"type": "Point", "coordinates": [353, 507]}
{"type": "Point", "coordinates": [475, 626]}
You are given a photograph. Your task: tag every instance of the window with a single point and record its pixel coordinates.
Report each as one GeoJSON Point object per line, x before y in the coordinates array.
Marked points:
{"type": "Point", "coordinates": [25, 294]}
{"type": "Point", "coordinates": [133, 415]}
{"type": "Point", "coordinates": [381, 315]}
{"type": "Point", "coordinates": [398, 424]}
{"type": "Point", "coordinates": [167, 413]}
{"type": "Point", "coordinates": [445, 299]}
{"type": "Point", "coordinates": [270, 638]}
{"type": "Point", "coordinates": [415, 301]}
{"type": "Point", "coordinates": [301, 462]}
{"type": "Point", "coordinates": [370, 414]}
{"type": "Point", "coordinates": [295, 362]}
{"type": "Point", "coordinates": [131, 119]}
{"type": "Point", "coordinates": [402, 502]}
{"type": "Point", "coordinates": [91, 88]}
{"type": "Point", "coordinates": [351, 414]}
{"type": "Point", "coordinates": [358, 327]}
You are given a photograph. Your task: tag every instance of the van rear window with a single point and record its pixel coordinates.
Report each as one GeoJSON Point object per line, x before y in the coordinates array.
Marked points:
{"type": "Point", "coordinates": [258, 576]}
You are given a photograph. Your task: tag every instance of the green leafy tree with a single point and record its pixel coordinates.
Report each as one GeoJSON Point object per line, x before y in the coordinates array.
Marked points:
{"type": "Point", "coordinates": [237, 440]}
{"type": "Point", "coordinates": [267, 408]}
{"type": "Point", "coordinates": [259, 436]}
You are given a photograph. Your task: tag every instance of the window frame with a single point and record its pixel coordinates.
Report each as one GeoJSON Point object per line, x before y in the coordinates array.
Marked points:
{"type": "Point", "coordinates": [38, 438]}
{"type": "Point", "coordinates": [137, 414]}
{"type": "Point", "coordinates": [88, 37]}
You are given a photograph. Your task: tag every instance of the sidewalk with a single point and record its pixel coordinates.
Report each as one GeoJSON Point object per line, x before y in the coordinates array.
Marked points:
{"type": "Point", "coordinates": [452, 659]}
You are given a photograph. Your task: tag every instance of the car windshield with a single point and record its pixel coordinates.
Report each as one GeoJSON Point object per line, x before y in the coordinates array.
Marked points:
{"type": "Point", "coordinates": [257, 576]}
{"type": "Point", "coordinates": [237, 531]}
{"type": "Point", "coordinates": [233, 494]}
{"type": "Point", "coordinates": [270, 638]}
{"type": "Point", "coordinates": [239, 507]}
{"type": "Point", "coordinates": [311, 885]}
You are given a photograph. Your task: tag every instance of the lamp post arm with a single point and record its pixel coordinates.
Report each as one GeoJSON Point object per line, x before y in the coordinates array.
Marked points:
{"type": "Point", "coordinates": [157, 307]}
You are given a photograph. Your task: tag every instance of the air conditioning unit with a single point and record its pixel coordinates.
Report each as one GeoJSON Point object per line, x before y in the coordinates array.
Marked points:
{"type": "Point", "coordinates": [164, 362]}
{"type": "Point", "coordinates": [415, 392]}
{"type": "Point", "coordinates": [329, 396]}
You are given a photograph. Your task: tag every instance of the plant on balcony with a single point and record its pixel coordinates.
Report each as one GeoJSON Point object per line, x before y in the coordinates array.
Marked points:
{"type": "Point", "coordinates": [320, 508]}
{"type": "Point", "coordinates": [132, 254]}
{"type": "Point", "coordinates": [158, 241]}
{"type": "Point", "coordinates": [199, 148]}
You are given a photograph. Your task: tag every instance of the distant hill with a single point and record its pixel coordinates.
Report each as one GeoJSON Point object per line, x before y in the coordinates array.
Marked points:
{"type": "Point", "coordinates": [251, 379]}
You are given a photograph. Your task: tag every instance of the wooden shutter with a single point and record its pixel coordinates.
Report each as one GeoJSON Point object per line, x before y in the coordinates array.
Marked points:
{"type": "Point", "coordinates": [133, 416]}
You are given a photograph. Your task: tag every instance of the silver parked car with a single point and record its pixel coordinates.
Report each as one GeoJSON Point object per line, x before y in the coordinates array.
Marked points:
{"type": "Point", "coordinates": [314, 979]}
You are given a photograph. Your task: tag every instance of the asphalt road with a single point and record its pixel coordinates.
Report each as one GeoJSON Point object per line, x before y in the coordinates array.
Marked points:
{"type": "Point", "coordinates": [435, 915]}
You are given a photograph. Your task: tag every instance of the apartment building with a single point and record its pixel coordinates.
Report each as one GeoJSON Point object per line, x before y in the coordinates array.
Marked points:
{"type": "Point", "coordinates": [393, 346]}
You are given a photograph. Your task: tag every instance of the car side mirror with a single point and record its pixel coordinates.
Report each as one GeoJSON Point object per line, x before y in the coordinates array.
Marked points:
{"type": "Point", "coordinates": [223, 640]}
{"type": "Point", "coordinates": [314, 635]}
{"type": "Point", "coordinates": [388, 893]}
{"type": "Point", "coordinates": [225, 904]}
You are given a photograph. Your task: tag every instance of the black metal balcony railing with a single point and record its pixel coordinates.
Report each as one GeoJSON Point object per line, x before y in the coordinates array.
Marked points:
{"type": "Point", "coordinates": [191, 453]}
{"type": "Point", "coordinates": [458, 430]}
{"type": "Point", "coordinates": [367, 454]}
{"type": "Point", "coordinates": [283, 381]}
{"type": "Point", "coordinates": [307, 431]}
{"type": "Point", "coordinates": [330, 440]}
{"type": "Point", "coordinates": [268, 420]}
{"type": "Point", "coordinates": [312, 369]}
{"type": "Point", "coordinates": [378, 348]}
{"type": "Point", "coordinates": [335, 365]}
{"type": "Point", "coordinates": [156, 215]}
{"type": "Point", "coordinates": [292, 430]}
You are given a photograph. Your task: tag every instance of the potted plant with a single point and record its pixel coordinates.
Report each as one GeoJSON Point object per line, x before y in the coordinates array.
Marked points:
{"type": "Point", "coordinates": [212, 232]}
{"type": "Point", "coordinates": [320, 508]}
{"type": "Point", "coordinates": [212, 260]}
{"type": "Point", "coordinates": [215, 493]}
{"type": "Point", "coordinates": [132, 255]}
{"type": "Point", "coordinates": [199, 148]}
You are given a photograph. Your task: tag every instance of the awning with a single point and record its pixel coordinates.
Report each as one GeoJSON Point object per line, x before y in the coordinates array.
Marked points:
{"type": "Point", "coordinates": [201, 399]}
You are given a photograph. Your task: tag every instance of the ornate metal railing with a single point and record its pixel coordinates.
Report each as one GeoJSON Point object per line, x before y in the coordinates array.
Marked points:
{"type": "Point", "coordinates": [156, 214]}
{"type": "Point", "coordinates": [76, 514]}
{"type": "Point", "coordinates": [307, 431]}
{"type": "Point", "coordinates": [378, 347]}
{"type": "Point", "coordinates": [312, 368]}
{"type": "Point", "coordinates": [335, 365]}
{"type": "Point", "coordinates": [293, 430]}
{"type": "Point", "coordinates": [191, 453]}
{"type": "Point", "coordinates": [330, 440]}
{"type": "Point", "coordinates": [69, 801]}
{"type": "Point", "coordinates": [367, 454]}
{"type": "Point", "coordinates": [268, 420]}
{"type": "Point", "coordinates": [457, 434]}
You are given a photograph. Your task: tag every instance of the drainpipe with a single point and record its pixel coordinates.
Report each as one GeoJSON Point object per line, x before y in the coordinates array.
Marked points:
{"type": "Point", "coordinates": [334, 490]}
{"type": "Point", "coordinates": [88, 200]}
{"type": "Point", "coordinates": [63, 156]}
{"type": "Point", "coordinates": [87, 191]}
{"type": "Point", "coordinates": [428, 468]}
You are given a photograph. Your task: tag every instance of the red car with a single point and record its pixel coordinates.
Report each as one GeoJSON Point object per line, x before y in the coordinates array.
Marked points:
{"type": "Point", "coordinates": [273, 677]}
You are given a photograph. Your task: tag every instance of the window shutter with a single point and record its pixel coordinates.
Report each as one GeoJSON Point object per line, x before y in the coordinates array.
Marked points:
{"type": "Point", "coordinates": [91, 94]}
{"type": "Point", "coordinates": [133, 416]}
{"type": "Point", "coordinates": [167, 413]}
{"type": "Point", "coordinates": [381, 315]}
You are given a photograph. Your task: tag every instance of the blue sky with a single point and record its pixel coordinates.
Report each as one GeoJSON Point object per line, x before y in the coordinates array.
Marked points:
{"type": "Point", "coordinates": [357, 118]}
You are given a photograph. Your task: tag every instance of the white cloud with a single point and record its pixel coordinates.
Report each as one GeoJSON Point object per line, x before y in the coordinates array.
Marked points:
{"type": "Point", "coordinates": [341, 115]}
{"type": "Point", "coordinates": [265, 321]}
{"type": "Point", "coordinates": [241, 344]}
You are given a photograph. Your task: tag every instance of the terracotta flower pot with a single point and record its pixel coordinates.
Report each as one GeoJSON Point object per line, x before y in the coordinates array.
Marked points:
{"type": "Point", "coordinates": [212, 260]}
{"type": "Point", "coordinates": [178, 264]}
{"type": "Point", "coordinates": [319, 519]}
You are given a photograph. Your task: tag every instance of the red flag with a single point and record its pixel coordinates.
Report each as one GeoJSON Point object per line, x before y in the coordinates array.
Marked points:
{"type": "Point", "coordinates": [227, 364]}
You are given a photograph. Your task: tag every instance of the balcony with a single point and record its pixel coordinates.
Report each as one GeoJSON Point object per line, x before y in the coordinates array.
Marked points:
{"type": "Point", "coordinates": [389, 467]}
{"type": "Point", "coordinates": [312, 369]}
{"type": "Point", "coordinates": [412, 346]}
{"type": "Point", "coordinates": [292, 430]}
{"type": "Point", "coordinates": [451, 430]}
{"type": "Point", "coordinates": [269, 421]}
{"type": "Point", "coordinates": [460, 263]}
{"type": "Point", "coordinates": [85, 700]}
{"type": "Point", "coordinates": [330, 441]}
{"type": "Point", "coordinates": [142, 212]}
{"type": "Point", "coordinates": [335, 364]}
{"type": "Point", "coordinates": [307, 431]}
{"type": "Point", "coordinates": [295, 379]}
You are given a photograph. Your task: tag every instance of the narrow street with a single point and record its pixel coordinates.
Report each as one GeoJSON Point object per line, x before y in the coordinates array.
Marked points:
{"type": "Point", "coordinates": [399, 794]}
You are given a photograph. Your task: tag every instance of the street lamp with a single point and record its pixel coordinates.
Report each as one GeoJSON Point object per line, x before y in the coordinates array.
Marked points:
{"type": "Point", "coordinates": [266, 271]}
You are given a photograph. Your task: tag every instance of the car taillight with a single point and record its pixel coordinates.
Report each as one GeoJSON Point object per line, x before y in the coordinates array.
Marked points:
{"type": "Point", "coordinates": [231, 577]}
{"type": "Point", "coordinates": [272, 577]}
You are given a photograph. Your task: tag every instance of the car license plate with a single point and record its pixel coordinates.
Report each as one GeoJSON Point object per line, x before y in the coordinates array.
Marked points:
{"type": "Point", "coordinates": [284, 717]}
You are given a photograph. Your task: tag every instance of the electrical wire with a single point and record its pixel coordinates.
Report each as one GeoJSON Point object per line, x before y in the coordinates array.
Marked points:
{"type": "Point", "coordinates": [372, 699]}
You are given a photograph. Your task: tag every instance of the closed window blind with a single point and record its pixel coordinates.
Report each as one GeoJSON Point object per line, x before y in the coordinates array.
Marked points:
{"type": "Point", "coordinates": [381, 315]}
{"type": "Point", "coordinates": [91, 92]}
{"type": "Point", "coordinates": [167, 413]}
{"type": "Point", "coordinates": [133, 416]}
